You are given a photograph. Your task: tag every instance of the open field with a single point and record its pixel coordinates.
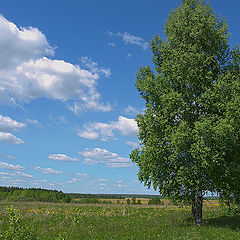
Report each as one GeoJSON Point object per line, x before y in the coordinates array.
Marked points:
{"type": "Point", "coordinates": [144, 201]}
{"type": "Point", "coordinates": [115, 221]}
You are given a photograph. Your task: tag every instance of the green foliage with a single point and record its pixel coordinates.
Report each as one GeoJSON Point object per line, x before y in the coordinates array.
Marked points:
{"type": "Point", "coordinates": [134, 200]}
{"type": "Point", "coordinates": [108, 202]}
{"type": "Point", "coordinates": [88, 200]}
{"type": "Point", "coordinates": [190, 130]}
{"type": "Point", "coordinates": [155, 201]}
{"type": "Point", "coordinates": [32, 194]}
{"type": "Point", "coordinates": [16, 230]}
{"type": "Point", "coordinates": [128, 201]}
{"type": "Point", "coordinates": [139, 202]}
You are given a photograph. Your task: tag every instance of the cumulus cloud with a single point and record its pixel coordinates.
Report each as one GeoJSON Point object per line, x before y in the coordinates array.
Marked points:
{"type": "Point", "coordinates": [11, 166]}
{"type": "Point", "coordinates": [103, 156]}
{"type": "Point", "coordinates": [9, 138]}
{"type": "Point", "coordinates": [130, 39]}
{"type": "Point", "coordinates": [26, 72]}
{"type": "Point", "coordinates": [105, 131]}
{"type": "Point", "coordinates": [47, 170]}
{"type": "Point", "coordinates": [20, 44]}
{"type": "Point", "coordinates": [8, 125]}
{"type": "Point", "coordinates": [62, 157]}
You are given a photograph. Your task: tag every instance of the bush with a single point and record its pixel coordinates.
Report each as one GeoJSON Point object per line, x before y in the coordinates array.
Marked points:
{"type": "Point", "coordinates": [134, 200]}
{"type": "Point", "coordinates": [155, 201]}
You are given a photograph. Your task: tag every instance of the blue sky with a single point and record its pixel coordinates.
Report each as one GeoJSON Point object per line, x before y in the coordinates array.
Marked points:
{"type": "Point", "coordinates": [67, 94]}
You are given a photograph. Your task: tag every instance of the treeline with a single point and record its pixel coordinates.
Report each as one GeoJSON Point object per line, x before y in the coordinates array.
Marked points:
{"type": "Point", "coordinates": [16, 194]}
{"type": "Point", "coordinates": [109, 196]}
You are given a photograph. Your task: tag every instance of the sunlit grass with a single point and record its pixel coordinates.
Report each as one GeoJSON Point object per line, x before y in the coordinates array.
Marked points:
{"type": "Point", "coordinates": [121, 221]}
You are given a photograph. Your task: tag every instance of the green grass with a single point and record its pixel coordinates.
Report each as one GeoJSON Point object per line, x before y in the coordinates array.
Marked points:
{"type": "Point", "coordinates": [119, 222]}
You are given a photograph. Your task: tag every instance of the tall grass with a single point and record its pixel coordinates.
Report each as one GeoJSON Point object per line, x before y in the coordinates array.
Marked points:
{"type": "Point", "coordinates": [116, 222]}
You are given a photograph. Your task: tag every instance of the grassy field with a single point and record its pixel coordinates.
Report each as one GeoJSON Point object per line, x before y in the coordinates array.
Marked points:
{"type": "Point", "coordinates": [144, 201]}
{"type": "Point", "coordinates": [113, 221]}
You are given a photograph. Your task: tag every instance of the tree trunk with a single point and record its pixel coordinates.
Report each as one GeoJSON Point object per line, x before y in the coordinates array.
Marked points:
{"type": "Point", "coordinates": [197, 208]}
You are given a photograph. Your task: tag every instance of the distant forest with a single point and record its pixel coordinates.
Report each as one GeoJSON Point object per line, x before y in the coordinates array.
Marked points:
{"type": "Point", "coordinates": [17, 194]}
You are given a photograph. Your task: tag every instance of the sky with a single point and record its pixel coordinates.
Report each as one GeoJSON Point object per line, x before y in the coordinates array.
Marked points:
{"type": "Point", "coordinates": [67, 94]}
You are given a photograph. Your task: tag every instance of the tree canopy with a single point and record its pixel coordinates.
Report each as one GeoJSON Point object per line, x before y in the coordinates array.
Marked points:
{"type": "Point", "coordinates": [190, 130]}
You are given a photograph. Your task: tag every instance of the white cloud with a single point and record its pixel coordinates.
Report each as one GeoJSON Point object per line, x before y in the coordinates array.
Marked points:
{"type": "Point", "coordinates": [119, 185]}
{"type": "Point", "coordinates": [75, 180]}
{"type": "Point", "coordinates": [88, 134]}
{"type": "Point", "coordinates": [10, 138]}
{"type": "Point", "coordinates": [52, 79]}
{"type": "Point", "coordinates": [82, 175]}
{"type": "Point", "coordinates": [132, 144]}
{"type": "Point", "coordinates": [47, 170]}
{"type": "Point", "coordinates": [105, 131]}
{"type": "Point", "coordinates": [17, 174]}
{"type": "Point", "coordinates": [8, 125]}
{"type": "Point", "coordinates": [120, 181]}
{"type": "Point", "coordinates": [102, 180]}
{"type": "Point", "coordinates": [130, 39]}
{"type": "Point", "coordinates": [93, 105]}
{"type": "Point", "coordinates": [101, 184]}
{"type": "Point", "coordinates": [33, 122]}
{"type": "Point", "coordinates": [126, 126]}
{"type": "Point", "coordinates": [130, 110]}
{"type": "Point", "coordinates": [11, 166]}
{"type": "Point", "coordinates": [62, 157]}
{"type": "Point", "coordinates": [27, 74]}
{"type": "Point", "coordinates": [109, 33]}
{"type": "Point", "coordinates": [129, 55]}
{"type": "Point", "coordinates": [103, 156]}
{"type": "Point", "coordinates": [94, 68]}
{"type": "Point", "coordinates": [20, 44]}
{"type": "Point", "coordinates": [24, 175]}
{"type": "Point", "coordinates": [10, 156]}
{"type": "Point", "coordinates": [111, 44]}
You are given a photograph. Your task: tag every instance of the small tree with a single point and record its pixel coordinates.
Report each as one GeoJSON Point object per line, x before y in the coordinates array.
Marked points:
{"type": "Point", "coordinates": [128, 201]}
{"type": "Point", "coordinates": [190, 130]}
{"type": "Point", "coordinates": [155, 201]}
{"type": "Point", "coordinates": [134, 200]}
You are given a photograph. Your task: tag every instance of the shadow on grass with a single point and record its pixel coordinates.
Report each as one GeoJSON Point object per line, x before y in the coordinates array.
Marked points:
{"type": "Point", "coordinates": [232, 222]}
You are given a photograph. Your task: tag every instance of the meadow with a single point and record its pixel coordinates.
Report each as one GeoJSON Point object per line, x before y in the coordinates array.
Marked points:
{"type": "Point", "coordinates": [56, 221]}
